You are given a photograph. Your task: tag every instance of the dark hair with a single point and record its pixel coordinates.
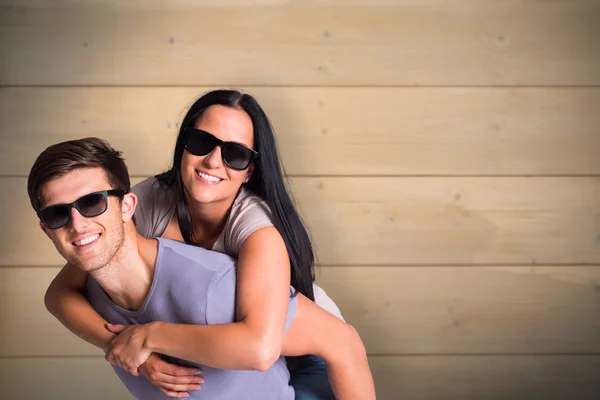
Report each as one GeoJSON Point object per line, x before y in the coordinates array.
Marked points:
{"type": "Point", "coordinates": [62, 158]}
{"type": "Point", "coordinates": [266, 182]}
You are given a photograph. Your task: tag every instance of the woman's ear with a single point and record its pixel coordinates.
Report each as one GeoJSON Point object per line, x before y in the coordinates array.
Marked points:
{"type": "Point", "coordinates": [249, 173]}
{"type": "Point", "coordinates": [128, 206]}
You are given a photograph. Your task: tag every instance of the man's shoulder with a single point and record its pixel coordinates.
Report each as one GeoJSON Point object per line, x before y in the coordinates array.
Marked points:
{"type": "Point", "coordinates": [195, 256]}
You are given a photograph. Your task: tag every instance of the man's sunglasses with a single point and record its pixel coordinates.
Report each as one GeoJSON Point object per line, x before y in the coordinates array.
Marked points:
{"type": "Point", "coordinates": [90, 205]}
{"type": "Point", "coordinates": [235, 155]}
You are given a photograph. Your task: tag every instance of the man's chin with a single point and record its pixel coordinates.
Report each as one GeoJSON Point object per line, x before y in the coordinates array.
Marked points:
{"type": "Point", "coordinates": [84, 265]}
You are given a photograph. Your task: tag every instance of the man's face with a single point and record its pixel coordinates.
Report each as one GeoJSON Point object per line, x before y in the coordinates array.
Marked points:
{"type": "Point", "coordinates": [88, 243]}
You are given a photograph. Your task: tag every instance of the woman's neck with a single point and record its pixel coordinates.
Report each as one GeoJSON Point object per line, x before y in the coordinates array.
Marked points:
{"type": "Point", "coordinates": [208, 220]}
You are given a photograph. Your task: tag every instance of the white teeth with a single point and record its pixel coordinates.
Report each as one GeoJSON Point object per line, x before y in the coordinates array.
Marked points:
{"type": "Point", "coordinates": [209, 177]}
{"type": "Point", "coordinates": [87, 240]}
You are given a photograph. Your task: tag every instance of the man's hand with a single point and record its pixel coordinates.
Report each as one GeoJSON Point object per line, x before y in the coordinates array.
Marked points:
{"type": "Point", "coordinates": [172, 380]}
{"type": "Point", "coordinates": [128, 349]}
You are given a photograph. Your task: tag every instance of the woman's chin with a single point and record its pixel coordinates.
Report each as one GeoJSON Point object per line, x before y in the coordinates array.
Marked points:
{"type": "Point", "coordinates": [208, 196]}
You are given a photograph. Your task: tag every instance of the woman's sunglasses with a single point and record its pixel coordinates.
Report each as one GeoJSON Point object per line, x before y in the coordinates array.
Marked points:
{"type": "Point", "coordinates": [90, 205]}
{"type": "Point", "coordinates": [235, 155]}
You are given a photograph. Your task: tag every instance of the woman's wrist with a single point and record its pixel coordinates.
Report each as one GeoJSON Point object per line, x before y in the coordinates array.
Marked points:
{"type": "Point", "coordinates": [151, 336]}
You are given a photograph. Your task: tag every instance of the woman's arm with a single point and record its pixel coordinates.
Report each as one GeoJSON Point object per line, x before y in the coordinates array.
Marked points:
{"type": "Point", "coordinates": [255, 340]}
{"type": "Point", "coordinates": [313, 331]}
{"type": "Point", "coordinates": [65, 300]}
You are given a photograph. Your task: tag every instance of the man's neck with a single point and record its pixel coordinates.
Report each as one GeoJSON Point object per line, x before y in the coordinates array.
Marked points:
{"type": "Point", "coordinates": [127, 278]}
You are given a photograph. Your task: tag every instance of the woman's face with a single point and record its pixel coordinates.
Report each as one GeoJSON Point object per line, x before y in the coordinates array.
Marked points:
{"type": "Point", "coordinates": [206, 178]}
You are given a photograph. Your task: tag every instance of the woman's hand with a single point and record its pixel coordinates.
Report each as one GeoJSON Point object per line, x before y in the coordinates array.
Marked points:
{"type": "Point", "coordinates": [172, 380]}
{"type": "Point", "coordinates": [128, 349]}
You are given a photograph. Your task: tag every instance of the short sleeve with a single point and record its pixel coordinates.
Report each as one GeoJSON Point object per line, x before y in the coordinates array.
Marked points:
{"type": "Point", "coordinates": [154, 209]}
{"type": "Point", "coordinates": [249, 213]}
{"type": "Point", "coordinates": [221, 298]}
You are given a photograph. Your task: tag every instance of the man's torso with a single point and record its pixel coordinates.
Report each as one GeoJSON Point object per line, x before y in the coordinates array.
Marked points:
{"type": "Point", "coordinates": [194, 286]}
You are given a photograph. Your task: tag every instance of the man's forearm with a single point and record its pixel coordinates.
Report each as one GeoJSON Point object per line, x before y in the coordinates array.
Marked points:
{"type": "Point", "coordinates": [74, 311]}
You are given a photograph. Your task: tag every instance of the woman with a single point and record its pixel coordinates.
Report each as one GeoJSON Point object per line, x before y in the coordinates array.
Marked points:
{"type": "Point", "coordinates": [224, 192]}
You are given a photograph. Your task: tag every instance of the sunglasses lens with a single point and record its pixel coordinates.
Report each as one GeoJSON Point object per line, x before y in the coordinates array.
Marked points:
{"type": "Point", "coordinates": [92, 205]}
{"type": "Point", "coordinates": [200, 143]}
{"type": "Point", "coordinates": [55, 217]}
{"type": "Point", "coordinates": [236, 156]}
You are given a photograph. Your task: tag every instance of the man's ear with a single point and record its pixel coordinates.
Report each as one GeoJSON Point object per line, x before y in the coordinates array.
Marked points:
{"type": "Point", "coordinates": [128, 206]}
{"type": "Point", "coordinates": [45, 230]}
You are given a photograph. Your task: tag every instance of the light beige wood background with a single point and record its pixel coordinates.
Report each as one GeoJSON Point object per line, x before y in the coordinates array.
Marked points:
{"type": "Point", "coordinates": [443, 152]}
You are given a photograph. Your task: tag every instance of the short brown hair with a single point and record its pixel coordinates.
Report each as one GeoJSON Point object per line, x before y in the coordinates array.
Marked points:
{"type": "Point", "coordinates": [62, 158]}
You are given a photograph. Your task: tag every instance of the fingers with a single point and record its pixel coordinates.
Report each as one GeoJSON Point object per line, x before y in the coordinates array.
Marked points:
{"type": "Point", "coordinates": [160, 365]}
{"type": "Point", "coordinates": [175, 386]}
{"type": "Point", "coordinates": [176, 395]}
{"type": "Point", "coordinates": [117, 363]}
{"type": "Point", "coordinates": [179, 388]}
{"type": "Point", "coordinates": [115, 328]}
{"type": "Point", "coordinates": [175, 370]}
{"type": "Point", "coordinates": [175, 380]}
{"type": "Point", "coordinates": [111, 359]}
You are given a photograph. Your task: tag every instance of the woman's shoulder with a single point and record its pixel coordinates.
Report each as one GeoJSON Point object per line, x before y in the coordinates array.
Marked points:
{"type": "Point", "coordinates": [248, 214]}
{"type": "Point", "coordinates": [249, 204]}
{"type": "Point", "coordinates": [150, 189]}
{"type": "Point", "coordinates": [155, 207]}
{"type": "Point", "coordinates": [145, 188]}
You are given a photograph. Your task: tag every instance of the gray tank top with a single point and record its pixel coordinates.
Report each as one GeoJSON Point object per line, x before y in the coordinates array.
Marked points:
{"type": "Point", "coordinates": [193, 285]}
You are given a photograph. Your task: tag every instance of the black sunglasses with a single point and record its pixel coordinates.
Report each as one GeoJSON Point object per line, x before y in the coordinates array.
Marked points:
{"type": "Point", "coordinates": [235, 155]}
{"type": "Point", "coordinates": [90, 205]}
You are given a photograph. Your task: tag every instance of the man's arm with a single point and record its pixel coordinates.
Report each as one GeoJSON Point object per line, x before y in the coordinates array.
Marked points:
{"type": "Point", "coordinates": [65, 300]}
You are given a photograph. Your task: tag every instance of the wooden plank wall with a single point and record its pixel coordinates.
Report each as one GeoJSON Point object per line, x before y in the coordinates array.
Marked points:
{"type": "Point", "coordinates": [443, 152]}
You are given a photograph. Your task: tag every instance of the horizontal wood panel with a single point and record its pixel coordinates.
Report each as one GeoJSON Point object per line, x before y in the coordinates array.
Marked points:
{"type": "Point", "coordinates": [329, 131]}
{"type": "Point", "coordinates": [489, 378]}
{"type": "Point", "coordinates": [187, 4]}
{"type": "Point", "coordinates": [434, 43]}
{"type": "Point", "coordinates": [383, 221]}
{"type": "Point", "coordinates": [449, 310]}
{"type": "Point", "coordinates": [419, 378]}
{"type": "Point", "coordinates": [396, 310]}
{"type": "Point", "coordinates": [60, 378]}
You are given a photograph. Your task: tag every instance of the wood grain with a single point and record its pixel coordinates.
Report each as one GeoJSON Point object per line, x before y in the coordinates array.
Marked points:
{"type": "Point", "coordinates": [329, 131]}
{"type": "Point", "coordinates": [396, 310]}
{"type": "Point", "coordinates": [513, 42]}
{"type": "Point", "coordinates": [400, 221]}
{"type": "Point", "coordinates": [419, 378]}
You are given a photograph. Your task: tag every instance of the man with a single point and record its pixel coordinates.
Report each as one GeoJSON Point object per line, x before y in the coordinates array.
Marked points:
{"type": "Point", "coordinates": [81, 192]}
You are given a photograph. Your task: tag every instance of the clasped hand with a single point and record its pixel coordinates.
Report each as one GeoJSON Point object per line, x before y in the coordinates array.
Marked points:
{"type": "Point", "coordinates": [129, 350]}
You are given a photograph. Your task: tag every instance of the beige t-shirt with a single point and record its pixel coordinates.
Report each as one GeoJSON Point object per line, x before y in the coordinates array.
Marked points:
{"type": "Point", "coordinates": [248, 214]}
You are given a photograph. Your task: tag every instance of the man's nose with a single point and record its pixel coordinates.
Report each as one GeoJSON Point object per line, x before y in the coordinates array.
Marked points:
{"type": "Point", "coordinates": [78, 222]}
